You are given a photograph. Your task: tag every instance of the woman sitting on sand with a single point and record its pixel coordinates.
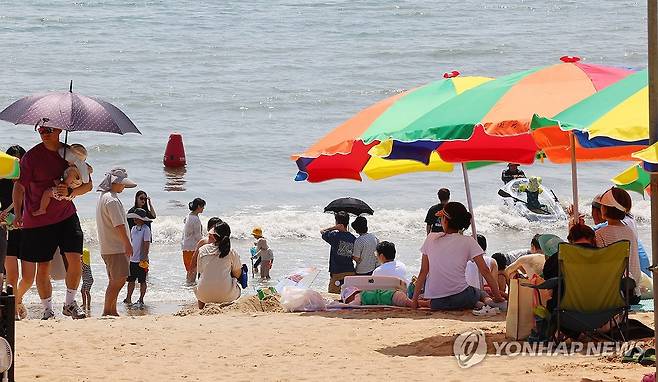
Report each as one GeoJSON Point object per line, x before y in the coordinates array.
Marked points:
{"type": "Point", "coordinates": [443, 266]}
{"type": "Point", "coordinates": [219, 267]}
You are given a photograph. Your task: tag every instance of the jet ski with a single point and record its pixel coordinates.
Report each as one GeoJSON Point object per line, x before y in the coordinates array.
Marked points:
{"type": "Point", "coordinates": [532, 200]}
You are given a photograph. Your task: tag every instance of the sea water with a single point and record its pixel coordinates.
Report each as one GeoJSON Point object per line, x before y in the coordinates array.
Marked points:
{"type": "Point", "coordinates": [249, 83]}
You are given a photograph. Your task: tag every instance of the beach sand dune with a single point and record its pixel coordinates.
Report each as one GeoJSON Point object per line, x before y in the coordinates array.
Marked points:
{"type": "Point", "coordinates": [241, 346]}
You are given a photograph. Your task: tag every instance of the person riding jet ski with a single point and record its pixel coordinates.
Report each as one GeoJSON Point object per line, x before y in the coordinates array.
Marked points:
{"type": "Point", "coordinates": [533, 189]}
{"type": "Point", "coordinates": [512, 172]}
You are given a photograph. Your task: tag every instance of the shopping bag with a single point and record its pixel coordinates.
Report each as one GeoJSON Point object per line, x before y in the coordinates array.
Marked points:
{"type": "Point", "coordinates": [520, 318]}
{"type": "Point", "coordinates": [57, 267]}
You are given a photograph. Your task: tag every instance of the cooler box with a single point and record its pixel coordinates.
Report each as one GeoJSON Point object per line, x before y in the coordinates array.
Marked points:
{"type": "Point", "coordinates": [374, 282]}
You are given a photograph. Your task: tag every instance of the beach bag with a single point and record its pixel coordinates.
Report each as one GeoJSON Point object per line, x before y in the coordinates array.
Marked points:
{"type": "Point", "coordinates": [520, 318]}
{"type": "Point", "coordinates": [57, 267]}
{"type": "Point", "coordinates": [243, 276]}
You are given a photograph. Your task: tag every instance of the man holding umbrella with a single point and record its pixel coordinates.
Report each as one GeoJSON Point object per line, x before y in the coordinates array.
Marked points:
{"type": "Point", "coordinates": [59, 227]}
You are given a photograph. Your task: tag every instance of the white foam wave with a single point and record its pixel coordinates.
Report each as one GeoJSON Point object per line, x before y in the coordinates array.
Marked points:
{"type": "Point", "coordinates": [290, 222]}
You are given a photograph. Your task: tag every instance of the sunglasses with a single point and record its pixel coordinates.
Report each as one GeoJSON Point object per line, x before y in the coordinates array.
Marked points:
{"type": "Point", "coordinates": [142, 198]}
{"type": "Point", "coordinates": [45, 130]}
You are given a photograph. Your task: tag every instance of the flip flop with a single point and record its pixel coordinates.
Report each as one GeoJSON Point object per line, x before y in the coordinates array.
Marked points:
{"type": "Point", "coordinates": [632, 355]}
{"type": "Point", "coordinates": [648, 358]}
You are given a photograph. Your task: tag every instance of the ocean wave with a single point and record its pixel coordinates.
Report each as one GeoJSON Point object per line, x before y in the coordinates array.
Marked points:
{"type": "Point", "coordinates": [289, 222]}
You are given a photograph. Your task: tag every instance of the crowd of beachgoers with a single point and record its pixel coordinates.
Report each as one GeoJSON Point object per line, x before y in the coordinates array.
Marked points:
{"type": "Point", "coordinates": [456, 272]}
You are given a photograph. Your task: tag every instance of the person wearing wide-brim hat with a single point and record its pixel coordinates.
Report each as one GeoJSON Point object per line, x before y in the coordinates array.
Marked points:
{"type": "Point", "coordinates": [140, 236]}
{"type": "Point", "coordinates": [615, 205]}
{"type": "Point", "coordinates": [113, 235]}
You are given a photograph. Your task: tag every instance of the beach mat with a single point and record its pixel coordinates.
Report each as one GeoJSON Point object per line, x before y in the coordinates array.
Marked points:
{"type": "Point", "coordinates": [643, 306]}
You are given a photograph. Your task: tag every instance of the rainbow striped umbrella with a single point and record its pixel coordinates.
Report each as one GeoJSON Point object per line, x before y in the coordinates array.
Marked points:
{"type": "Point", "coordinates": [634, 178]}
{"type": "Point", "coordinates": [344, 153]}
{"type": "Point", "coordinates": [503, 107]}
{"type": "Point", "coordinates": [9, 166]}
{"type": "Point", "coordinates": [609, 125]}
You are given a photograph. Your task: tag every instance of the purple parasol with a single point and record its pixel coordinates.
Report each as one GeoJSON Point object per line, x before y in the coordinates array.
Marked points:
{"type": "Point", "coordinates": [69, 111]}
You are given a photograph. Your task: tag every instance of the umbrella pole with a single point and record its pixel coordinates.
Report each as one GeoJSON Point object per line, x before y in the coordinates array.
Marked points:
{"type": "Point", "coordinates": [469, 201]}
{"type": "Point", "coordinates": [652, 20]}
{"type": "Point", "coordinates": [574, 175]}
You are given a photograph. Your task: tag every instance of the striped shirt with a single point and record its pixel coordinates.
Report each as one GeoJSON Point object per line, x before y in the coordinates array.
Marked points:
{"type": "Point", "coordinates": [613, 233]}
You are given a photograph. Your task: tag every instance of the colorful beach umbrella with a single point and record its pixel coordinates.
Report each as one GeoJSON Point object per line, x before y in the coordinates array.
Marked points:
{"type": "Point", "coordinates": [343, 154]}
{"type": "Point", "coordinates": [505, 106]}
{"type": "Point", "coordinates": [609, 125]}
{"type": "Point", "coordinates": [9, 166]}
{"type": "Point", "coordinates": [634, 178]}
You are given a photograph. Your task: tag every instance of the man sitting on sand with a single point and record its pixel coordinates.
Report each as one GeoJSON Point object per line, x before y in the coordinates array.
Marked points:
{"type": "Point", "coordinates": [389, 266]}
{"type": "Point", "coordinates": [342, 248]}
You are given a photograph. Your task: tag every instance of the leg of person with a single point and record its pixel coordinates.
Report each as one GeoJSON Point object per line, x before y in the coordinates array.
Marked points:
{"type": "Point", "coordinates": [266, 267]}
{"type": "Point", "coordinates": [45, 202]}
{"type": "Point", "coordinates": [187, 261]}
{"type": "Point", "coordinates": [134, 269]}
{"type": "Point", "coordinates": [71, 237]}
{"type": "Point", "coordinates": [88, 294]}
{"type": "Point", "coordinates": [129, 291]}
{"type": "Point", "coordinates": [337, 280]}
{"type": "Point", "coordinates": [118, 270]}
{"type": "Point", "coordinates": [256, 264]}
{"type": "Point", "coordinates": [142, 290]}
{"type": "Point", "coordinates": [466, 299]}
{"type": "Point", "coordinates": [45, 289]}
{"type": "Point", "coordinates": [11, 270]}
{"type": "Point", "coordinates": [263, 270]}
{"type": "Point", "coordinates": [28, 273]}
{"type": "Point", "coordinates": [84, 297]}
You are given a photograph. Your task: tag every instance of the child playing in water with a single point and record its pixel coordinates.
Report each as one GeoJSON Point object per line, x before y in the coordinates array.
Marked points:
{"type": "Point", "coordinates": [87, 279]}
{"type": "Point", "coordinates": [74, 176]}
{"type": "Point", "coordinates": [140, 236]}
{"type": "Point", "coordinates": [263, 252]}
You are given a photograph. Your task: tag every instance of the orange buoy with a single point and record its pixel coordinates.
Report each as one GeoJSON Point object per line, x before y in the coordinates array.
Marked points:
{"type": "Point", "coordinates": [174, 155]}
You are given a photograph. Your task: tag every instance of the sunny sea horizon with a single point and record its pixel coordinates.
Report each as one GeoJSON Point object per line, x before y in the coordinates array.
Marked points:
{"type": "Point", "coordinates": [247, 84]}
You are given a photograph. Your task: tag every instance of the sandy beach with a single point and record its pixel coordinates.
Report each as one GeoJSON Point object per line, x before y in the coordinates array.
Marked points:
{"type": "Point", "coordinates": [241, 344]}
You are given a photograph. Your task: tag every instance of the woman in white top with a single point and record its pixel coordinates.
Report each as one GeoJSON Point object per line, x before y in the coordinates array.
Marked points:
{"type": "Point", "coordinates": [192, 233]}
{"type": "Point", "coordinates": [615, 204]}
{"type": "Point", "coordinates": [219, 267]}
{"type": "Point", "coordinates": [443, 267]}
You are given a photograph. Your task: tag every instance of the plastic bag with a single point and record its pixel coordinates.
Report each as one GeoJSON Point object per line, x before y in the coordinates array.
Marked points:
{"type": "Point", "coordinates": [294, 299]}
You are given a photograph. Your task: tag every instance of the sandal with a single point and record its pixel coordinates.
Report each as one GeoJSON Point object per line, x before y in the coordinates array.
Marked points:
{"type": "Point", "coordinates": [648, 358]}
{"type": "Point", "coordinates": [632, 355]}
{"type": "Point", "coordinates": [486, 311]}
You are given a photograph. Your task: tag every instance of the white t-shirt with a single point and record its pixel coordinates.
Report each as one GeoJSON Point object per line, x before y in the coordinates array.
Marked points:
{"type": "Point", "coordinates": [110, 214]}
{"type": "Point", "coordinates": [473, 277]}
{"type": "Point", "coordinates": [216, 283]}
{"type": "Point", "coordinates": [192, 233]}
{"type": "Point", "coordinates": [393, 268]}
{"type": "Point", "coordinates": [138, 235]}
{"type": "Point", "coordinates": [447, 255]}
{"type": "Point", "coordinates": [364, 248]}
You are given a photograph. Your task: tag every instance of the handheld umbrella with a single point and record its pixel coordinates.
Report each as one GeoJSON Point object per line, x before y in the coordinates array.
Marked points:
{"type": "Point", "coordinates": [350, 205]}
{"type": "Point", "coordinates": [70, 112]}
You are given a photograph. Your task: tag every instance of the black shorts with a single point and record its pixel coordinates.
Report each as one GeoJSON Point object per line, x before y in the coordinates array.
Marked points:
{"type": "Point", "coordinates": [38, 244]}
{"type": "Point", "coordinates": [137, 273]}
{"type": "Point", "coordinates": [14, 243]}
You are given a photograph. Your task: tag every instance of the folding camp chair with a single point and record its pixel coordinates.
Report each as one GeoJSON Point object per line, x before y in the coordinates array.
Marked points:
{"type": "Point", "coordinates": [589, 293]}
